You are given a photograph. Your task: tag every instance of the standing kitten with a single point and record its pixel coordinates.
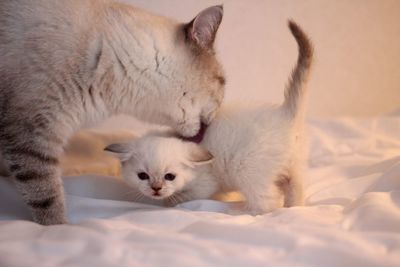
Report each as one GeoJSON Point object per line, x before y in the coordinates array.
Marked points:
{"type": "Point", "coordinates": [256, 151]}
{"type": "Point", "coordinates": [65, 64]}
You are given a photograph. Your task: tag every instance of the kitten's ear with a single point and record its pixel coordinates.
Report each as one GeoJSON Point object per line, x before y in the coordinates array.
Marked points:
{"type": "Point", "coordinates": [123, 151]}
{"type": "Point", "coordinates": [203, 28]}
{"type": "Point", "coordinates": [199, 155]}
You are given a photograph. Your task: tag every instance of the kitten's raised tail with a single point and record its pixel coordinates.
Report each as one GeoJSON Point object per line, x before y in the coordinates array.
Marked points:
{"type": "Point", "coordinates": [295, 89]}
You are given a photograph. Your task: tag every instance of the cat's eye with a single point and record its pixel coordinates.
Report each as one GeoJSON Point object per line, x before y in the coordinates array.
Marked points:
{"type": "Point", "coordinates": [143, 176]}
{"type": "Point", "coordinates": [169, 177]}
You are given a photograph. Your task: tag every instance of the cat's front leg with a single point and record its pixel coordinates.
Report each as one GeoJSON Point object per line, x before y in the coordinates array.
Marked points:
{"type": "Point", "coordinates": [36, 172]}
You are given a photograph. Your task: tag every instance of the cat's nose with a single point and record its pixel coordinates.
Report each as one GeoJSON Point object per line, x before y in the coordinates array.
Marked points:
{"type": "Point", "coordinates": [156, 188]}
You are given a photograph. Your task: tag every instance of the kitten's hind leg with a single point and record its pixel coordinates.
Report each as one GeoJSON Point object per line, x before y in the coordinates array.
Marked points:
{"type": "Point", "coordinates": [291, 186]}
{"type": "Point", "coordinates": [36, 172]}
{"type": "Point", "coordinates": [262, 198]}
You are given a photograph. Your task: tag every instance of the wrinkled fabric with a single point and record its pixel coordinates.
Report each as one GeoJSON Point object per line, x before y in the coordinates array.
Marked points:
{"type": "Point", "coordinates": [351, 217]}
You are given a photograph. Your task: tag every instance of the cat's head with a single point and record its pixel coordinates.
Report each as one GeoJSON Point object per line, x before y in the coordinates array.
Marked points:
{"type": "Point", "coordinates": [159, 166]}
{"type": "Point", "coordinates": [191, 80]}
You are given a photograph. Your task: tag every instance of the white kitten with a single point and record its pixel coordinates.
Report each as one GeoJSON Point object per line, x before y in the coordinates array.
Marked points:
{"type": "Point", "coordinates": [256, 151]}
{"type": "Point", "coordinates": [165, 167]}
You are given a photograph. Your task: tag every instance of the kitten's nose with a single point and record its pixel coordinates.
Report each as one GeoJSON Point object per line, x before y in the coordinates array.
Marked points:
{"type": "Point", "coordinates": [156, 188]}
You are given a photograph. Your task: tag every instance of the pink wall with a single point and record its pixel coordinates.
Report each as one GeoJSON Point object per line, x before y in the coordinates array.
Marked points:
{"type": "Point", "coordinates": [357, 42]}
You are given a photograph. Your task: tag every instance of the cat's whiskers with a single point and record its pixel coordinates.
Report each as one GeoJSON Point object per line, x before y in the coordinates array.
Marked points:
{"type": "Point", "coordinates": [136, 195]}
{"type": "Point", "coordinates": [175, 199]}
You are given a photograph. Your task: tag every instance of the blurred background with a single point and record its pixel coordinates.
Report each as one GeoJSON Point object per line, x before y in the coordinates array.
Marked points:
{"type": "Point", "coordinates": [356, 72]}
{"type": "Point", "coordinates": [357, 44]}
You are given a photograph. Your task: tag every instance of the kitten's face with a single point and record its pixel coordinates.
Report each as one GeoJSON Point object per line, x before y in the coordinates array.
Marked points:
{"type": "Point", "coordinates": [158, 166]}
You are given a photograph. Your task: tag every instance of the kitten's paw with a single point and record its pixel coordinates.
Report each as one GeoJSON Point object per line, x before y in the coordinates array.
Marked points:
{"type": "Point", "coordinates": [263, 208]}
{"type": "Point", "coordinates": [169, 203]}
{"type": "Point", "coordinates": [260, 211]}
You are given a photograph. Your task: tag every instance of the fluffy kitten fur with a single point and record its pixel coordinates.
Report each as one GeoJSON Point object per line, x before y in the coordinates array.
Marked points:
{"type": "Point", "coordinates": [257, 151]}
{"type": "Point", "coordinates": [65, 64]}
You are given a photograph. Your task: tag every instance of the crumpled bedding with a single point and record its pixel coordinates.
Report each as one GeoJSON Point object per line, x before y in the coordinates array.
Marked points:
{"type": "Point", "coordinates": [352, 215]}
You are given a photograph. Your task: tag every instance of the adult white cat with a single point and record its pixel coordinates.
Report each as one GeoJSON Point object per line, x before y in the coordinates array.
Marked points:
{"type": "Point", "coordinates": [65, 64]}
{"type": "Point", "coordinates": [256, 151]}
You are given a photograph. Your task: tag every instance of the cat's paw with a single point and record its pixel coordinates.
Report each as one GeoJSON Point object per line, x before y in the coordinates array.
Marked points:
{"type": "Point", "coordinates": [50, 220]}
{"type": "Point", "coordinates": [55, 214]}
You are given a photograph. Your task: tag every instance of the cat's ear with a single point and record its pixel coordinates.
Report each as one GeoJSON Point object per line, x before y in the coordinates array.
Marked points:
{"type": "Point", "coordinates": [122, 151]}
{"type": "Point", "coordinates": [202, 29]}
{"type": "Point", "coordinates": [199, 155]}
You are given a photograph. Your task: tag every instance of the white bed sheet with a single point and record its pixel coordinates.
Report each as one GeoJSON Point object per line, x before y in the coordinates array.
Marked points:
{"type": "Point", "coordinates": [352, 216]}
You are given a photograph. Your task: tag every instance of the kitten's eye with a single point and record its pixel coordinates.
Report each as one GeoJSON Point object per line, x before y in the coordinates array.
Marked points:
{"type": "Point", "coordinates": [169, 177]}
{"type": "Point", "coordinates": [143, 176]}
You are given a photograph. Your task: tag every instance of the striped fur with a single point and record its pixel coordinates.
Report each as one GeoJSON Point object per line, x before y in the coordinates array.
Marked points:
{"type": "Point", "coordinates": [67, 64]}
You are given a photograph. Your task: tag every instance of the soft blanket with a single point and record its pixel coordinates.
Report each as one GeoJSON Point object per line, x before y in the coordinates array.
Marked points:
{"type": "Point", "coordinates": [352, 216]}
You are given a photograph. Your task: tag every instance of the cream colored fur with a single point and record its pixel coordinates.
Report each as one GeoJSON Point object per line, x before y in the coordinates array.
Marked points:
{"type": "Point", "coordinates": [258, 151]}
{"type": "Point", "coordinates": [159, 155]}
{"type": "Point", "coordinates": [68, 64]}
